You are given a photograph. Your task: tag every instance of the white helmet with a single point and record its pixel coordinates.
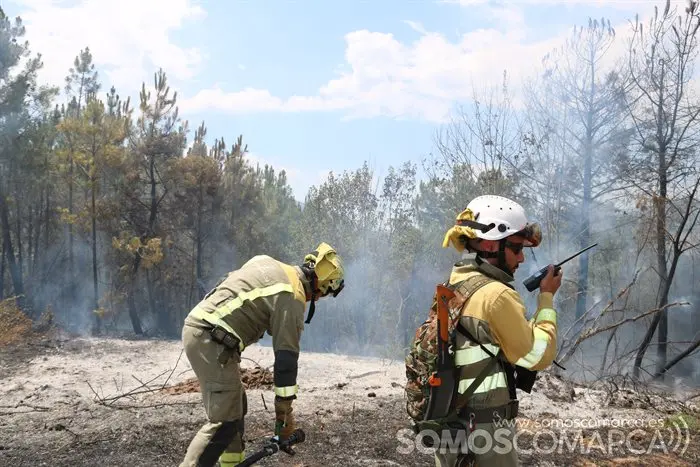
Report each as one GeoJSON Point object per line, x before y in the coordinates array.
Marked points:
{"type": "Point", "coordinates": [504, 217]}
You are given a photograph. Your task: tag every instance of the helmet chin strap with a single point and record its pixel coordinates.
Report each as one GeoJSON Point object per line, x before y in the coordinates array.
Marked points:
{"type": "Point", "coordinates": [500, 255]}
{"type": "Point", "coordinates": [311, 275]}
{"type": "Point", "coordinates": [312, 308]}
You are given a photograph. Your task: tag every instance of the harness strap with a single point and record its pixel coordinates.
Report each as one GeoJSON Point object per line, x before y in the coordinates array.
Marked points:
{"type": "Point", "coordinates": [466, 289]}
{"type": "Point", "coordinates": [508, 368]}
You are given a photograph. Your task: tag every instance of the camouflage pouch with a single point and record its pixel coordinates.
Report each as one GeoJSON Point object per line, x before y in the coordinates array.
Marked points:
{"type": "Point", "coordinates": [421, 361]}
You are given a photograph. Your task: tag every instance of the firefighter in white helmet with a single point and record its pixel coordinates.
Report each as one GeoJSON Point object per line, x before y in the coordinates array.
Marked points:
{"type": "Point", "coordinates": [492, 233]}
{"type": "Point", "coordinates": [264, 295]}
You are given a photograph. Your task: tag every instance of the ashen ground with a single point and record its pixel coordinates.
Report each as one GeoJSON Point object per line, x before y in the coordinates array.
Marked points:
{"type": "Point", "coordinates": [350, 407]}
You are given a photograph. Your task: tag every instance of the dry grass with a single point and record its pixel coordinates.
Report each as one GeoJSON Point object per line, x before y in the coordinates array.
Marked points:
{"type": "Point", "coordinates": [15, 326]}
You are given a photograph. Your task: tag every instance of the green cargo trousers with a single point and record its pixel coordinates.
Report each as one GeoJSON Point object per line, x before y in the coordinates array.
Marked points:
{"type": "Point", "coordinates": [493, 447]}
{"type": "Point", "coordinates": [219, 375]}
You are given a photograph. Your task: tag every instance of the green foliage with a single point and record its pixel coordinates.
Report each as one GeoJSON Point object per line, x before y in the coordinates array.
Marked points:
{"type": "Point", "coordinates": [82, 84]}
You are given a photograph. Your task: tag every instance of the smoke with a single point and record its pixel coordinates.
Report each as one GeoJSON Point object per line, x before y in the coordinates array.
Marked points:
{"type": "Point", "coordinates": [626, 249]}
{"type": "Point", "coordinates": [383, 302]}
{"type": "Point", "coordinates": [72, 307]}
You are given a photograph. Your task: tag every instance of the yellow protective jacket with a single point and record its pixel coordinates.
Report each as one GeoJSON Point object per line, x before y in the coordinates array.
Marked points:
{"type": "Point", "coordinates": [495, 316]}
{"type": "Point", "coordinates": [263, 295]}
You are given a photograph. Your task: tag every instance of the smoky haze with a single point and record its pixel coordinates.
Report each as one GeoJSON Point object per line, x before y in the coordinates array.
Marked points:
{"type": "Point", "coordinates": [116, 230]}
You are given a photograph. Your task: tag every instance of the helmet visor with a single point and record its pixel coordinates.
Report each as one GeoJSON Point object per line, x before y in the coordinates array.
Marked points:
{"type": "Point", "coordinates": [532, 233]}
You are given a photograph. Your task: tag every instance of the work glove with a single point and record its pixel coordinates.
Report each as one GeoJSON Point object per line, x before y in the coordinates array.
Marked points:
{"type": "Point", "coordinates": [284, 419]}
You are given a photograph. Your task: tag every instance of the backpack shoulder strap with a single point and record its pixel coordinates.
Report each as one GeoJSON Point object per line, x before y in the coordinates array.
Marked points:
{"type": "Point", "coordinates": [463, 293]}
{"type": "Point", "coordinates": [433, 306]}
{"type": "Point", "coordinates": [466, 288]}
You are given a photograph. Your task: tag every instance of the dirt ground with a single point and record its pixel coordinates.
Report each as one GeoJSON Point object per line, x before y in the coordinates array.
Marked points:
{"type": "Point", "coordinates": [69, 401]}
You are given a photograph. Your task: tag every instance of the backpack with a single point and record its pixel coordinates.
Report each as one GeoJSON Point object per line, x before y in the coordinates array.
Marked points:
{"type": "Point", "coordinates": [421, 360]}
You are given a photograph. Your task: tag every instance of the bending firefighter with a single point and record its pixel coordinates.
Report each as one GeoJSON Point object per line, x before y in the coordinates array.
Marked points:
{"type": "Point", "coordinates": [263, 295]}
{"type": "Point", "coordinates": [496, 348]}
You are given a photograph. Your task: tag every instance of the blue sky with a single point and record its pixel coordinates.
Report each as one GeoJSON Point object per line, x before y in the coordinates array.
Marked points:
{"type": "Point", "coordinates": [313, 86]}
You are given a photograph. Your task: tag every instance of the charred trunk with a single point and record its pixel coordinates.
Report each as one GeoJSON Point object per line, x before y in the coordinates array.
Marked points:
{"type": "Point", "coordinates": [95, 286]}
{"type": "Point", "coordinates": [15, 272]}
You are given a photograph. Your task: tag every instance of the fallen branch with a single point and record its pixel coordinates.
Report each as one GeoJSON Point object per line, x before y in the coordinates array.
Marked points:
{"type": "Point", "coordinates": [137, 390]}
{"type": "Point", "coordinates": [586, 322]}
{"type": "Point", "coordinates": [21, 405]}
{"type": "Point", "coordinates": [627, 391]}
{"type": "Point", "coordinates": [595, 331]}
{"type": "Point", "coordinates": [35, 408]}
{"type": "Point", "coordinates": [251, 360]}
{"type": "Point", "coordinates": [592, 332]}
{"type": "Point", "coordinates": [171, 373]}
{"type": "Point", "coordinates": [150, 406]}
{"type": "Point", "coordinates": [185, 371]}
{"type": "Point", "coordinates": [146, 387]}
{"type": "Point", "coordinates": [680, 357]}
{"type": "Point", "coordinates": [584, 316]}
{"type": "Point", "coordinates": [605, 353]}
{"type": "Point", "coordinates": [2, 414]}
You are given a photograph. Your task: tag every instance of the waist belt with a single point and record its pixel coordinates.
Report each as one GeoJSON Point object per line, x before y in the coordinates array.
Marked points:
{"type": "Point", "coordinates": [491, 414]}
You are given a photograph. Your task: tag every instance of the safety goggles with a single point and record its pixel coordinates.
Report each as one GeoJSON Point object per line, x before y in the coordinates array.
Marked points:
{"type": "Point", "coordinates": [337, 290]}
{"type": "Point", "coordinates": [516, 248]}
{"type": "Point", "coordinates": [334, 287]}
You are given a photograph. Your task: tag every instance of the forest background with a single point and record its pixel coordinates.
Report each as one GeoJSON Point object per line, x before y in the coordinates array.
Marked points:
{"type": "Point", "coordinates": [116, 217]}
